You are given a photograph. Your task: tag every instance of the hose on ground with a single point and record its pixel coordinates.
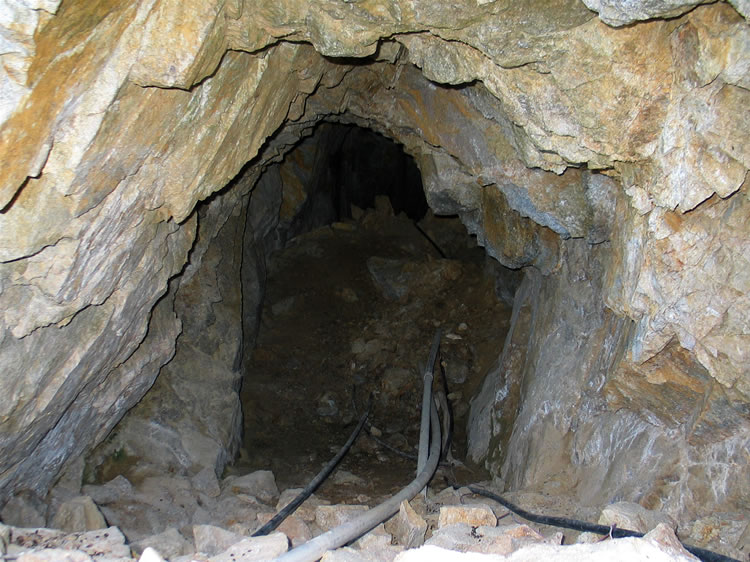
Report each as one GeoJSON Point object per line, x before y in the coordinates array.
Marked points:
{"type": "Point", "coordinates": [424, 430]}
{"type": "Point", "coordinates": [577, 525]}
{"type": "Point", "coordinates": [315, 482]}
{"type": "Point", "coordinates": [343, 534]}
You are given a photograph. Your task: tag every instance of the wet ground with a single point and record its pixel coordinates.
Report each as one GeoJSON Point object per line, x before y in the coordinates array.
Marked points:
{"type": "Point", "coordinates": [350, 311]}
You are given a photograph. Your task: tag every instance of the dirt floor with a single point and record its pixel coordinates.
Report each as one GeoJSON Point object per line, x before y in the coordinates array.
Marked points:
{"type": "Point", "coordinates": [350, 311]}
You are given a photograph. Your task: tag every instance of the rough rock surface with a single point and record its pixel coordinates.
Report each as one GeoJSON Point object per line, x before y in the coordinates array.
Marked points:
{"type": "Point", "coordinates": [210, 543]}
{"type": "Point", "coordinates": [609, 162]}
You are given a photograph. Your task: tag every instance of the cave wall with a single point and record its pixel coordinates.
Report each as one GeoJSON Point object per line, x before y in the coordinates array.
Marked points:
{"type": "Point", "coordinates": [610, 162]}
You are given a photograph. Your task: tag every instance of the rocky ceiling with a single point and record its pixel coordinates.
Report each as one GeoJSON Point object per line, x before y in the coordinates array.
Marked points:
{"type": "Point", "coordinates": [601, 146]}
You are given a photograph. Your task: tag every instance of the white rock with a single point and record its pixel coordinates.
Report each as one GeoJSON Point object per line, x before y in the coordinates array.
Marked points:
{"type": "Point", "coordinates": [294, 527]}
{"type": "Point", "coordinates": [632, 516]}
{"type": "Point", "coordinates": [206, 482]}
{"type": "Point", "coordinates": [255, 548]}
{"type": "Point", "coordinates": [329, 516]}
{"type": "Point", "coordinates": [110, 492]}
{"type": "Point", "coordinates": [307, 510]}
{"type": "Point", "coordinates": [170, 544]}
{"type": "Point", "coordinates": [407, 526]}
{"type": "Point", "coordinates": [213, 540]}
{"type": "Point", "coordinates": [474, 515]}
{"type": "Point", "coordinates": [260, 484]}
{"type": "Point", "coordinates": [78, 514]}
{"type": "Point", "coordinates": [53, 555]}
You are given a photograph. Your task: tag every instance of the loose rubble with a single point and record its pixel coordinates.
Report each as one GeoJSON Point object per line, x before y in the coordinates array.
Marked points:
{"type": "Point", "coordinates": [450, 524]}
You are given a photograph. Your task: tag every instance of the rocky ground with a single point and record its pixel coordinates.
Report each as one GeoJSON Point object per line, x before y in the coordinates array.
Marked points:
{"type": "Point", "coordinates": [351, 310]}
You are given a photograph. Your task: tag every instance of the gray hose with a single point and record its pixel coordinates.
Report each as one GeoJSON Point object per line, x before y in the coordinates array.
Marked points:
{"type": "Point", "coordinates": [278, 519]}
{"type": "Point", "coordinates": [314, 549]}
{"type": "Point", "coordinates": [424, 430]}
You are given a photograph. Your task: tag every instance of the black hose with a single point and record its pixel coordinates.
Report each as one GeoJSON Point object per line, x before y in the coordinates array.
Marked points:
{"type": "Point", "coordinates": [315, 482]}
{"type": "Point", "coordinates": [577, 525]}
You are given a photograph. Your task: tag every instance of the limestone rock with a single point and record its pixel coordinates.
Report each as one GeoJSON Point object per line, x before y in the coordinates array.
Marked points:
{"type": "Point", "coordinates": [407, 526]}
{"type": "Point", "coordinates": [457, 537]}
{"type": "Point", "coordinates": [117, 488]}
{"type": "Point", "coordinates": [627, 515]}
{"type": "Point", "coordinates": [617, 13]}
{"type": "Point", "coordinates": [294, 527]}
{"type": "Point", "coordinates": [4, 538]}
{"type": "Point", "coordinates": [78, 514]}
{"type": "Point", "coordinates": [54, 554]}
{"type": "Point", "coordinates": [213, 540]}
{"type": "Point", "coordinates": [254, 549]}
{"type": "Point", "coordinates": [306, 511]}
{"type": "Point", "coordinates": [169, 544]}
{"type": "Point", "coordinates": [23, 510]}
{"type": "Point", "coordinates": [260, 484]}
{"type": "Point", "coordinates": [206, 482]}
{"type": "Point", "coordinates": [474, 516]}
{"type": "Point", "coordinates": [328, 517]}
{"type": "Point", "coordinates": [505, 540]}
{"type": "Point", "coordinates": [103, 543]}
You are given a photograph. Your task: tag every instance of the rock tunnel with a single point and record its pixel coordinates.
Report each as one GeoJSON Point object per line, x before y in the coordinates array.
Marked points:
{"type": "Point", "coordinates": [156, 155]}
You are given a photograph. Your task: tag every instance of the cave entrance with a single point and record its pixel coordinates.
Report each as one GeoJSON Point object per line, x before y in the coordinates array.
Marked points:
{"type": "Point", "coordinates": [352, 300]}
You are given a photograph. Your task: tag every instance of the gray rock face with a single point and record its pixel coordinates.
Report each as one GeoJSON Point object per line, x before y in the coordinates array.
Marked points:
{"type": "Point", "coordinates": [619, 12]}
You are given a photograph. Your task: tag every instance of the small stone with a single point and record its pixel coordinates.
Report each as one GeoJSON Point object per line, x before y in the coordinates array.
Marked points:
{"type": "Point", "coordinates": [23, 510]}
{"type": "Point", "coordinates": [504, 540]}
{"type": "Point", "coordinates": [344, 554]}
{"type": "Point", "coordinates": [474, 515]}
{"type": "Point", "coordinates": [407, 526]}
{"type": "Point", "coordinates": [53, 555]}
{"type": "Point", "coordinates": [663, 537]}
{"type": "Point", "coordinates": [78, 514]}
{"type": "Point", "coordinates": [4, 538]}
{"type": "Point", "coordinates": [329, 516]}
{"type": "Point", "coordinates": [294, 527]}
{"type": "Point", "coordinates": [213, 540]}
{"type": "Point", "coordinates": [103, 543]}
{"type": "Point", "coordinates": [206, 482]}
{"type": "Point", "coordinates": [170, 544]}
{"type": "Point", "coordinates": [110, 492]}
{"type": "Point", "coordinates": [344, 477]}
{"type": "Point", "coordinates": [376, 546]}
{"type": "Point", "coordinates": [462, 327]}
{"type": "Point", "coordinates": [255, 548]}
{"type": "Point", "coordinates": [453, 537]}
{"type": "Point", "coordinates": [260, 484]}
{"type": "Point", "coordinates": [588, 538]}
{"type": "Point", "coordinates": [306, 511]}
{"type": "Point", "coordinates": [632, 516]}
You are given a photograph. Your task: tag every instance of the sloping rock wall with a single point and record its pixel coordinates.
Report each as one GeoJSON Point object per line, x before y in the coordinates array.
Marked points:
{"type": "Point", "coordinates": [611, 160]}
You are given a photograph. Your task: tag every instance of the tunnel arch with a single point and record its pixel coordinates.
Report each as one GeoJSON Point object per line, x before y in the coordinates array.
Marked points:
{"type": "Point", "coordinates": [517, 141]}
